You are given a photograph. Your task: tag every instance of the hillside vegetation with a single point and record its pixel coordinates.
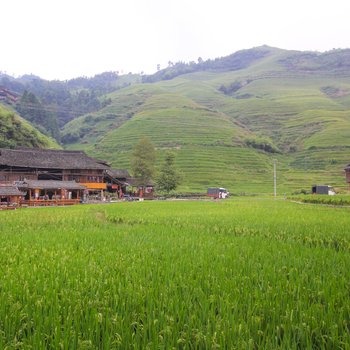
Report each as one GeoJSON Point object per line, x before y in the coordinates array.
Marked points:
{"type": "Point", "coordinates": [229, 118]}
{"type": "Point", "coordinates": [15, 131]}
{"type": "Point", "coordinates": [51, 104]}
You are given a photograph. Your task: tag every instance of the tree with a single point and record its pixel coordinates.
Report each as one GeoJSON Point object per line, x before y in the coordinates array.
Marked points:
{"type": "Point", "coordinates": [30, 108]}
{"type": "Point", "coordinates": [169, 178]}
{"type": "Point", "coordinates": [142, 162]}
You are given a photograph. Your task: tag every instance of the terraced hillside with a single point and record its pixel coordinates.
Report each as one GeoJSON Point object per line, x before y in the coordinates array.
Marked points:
{"type": "Point", "coordinates": [17, 132]}
{"type": "Point", "coordinates": [226, 127]}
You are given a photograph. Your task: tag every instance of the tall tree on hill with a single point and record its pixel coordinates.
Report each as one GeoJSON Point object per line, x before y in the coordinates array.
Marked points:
{"type": "Point", "coordinates": [169, 178]}
{"type": "Point", "coordinates": [142, 162]}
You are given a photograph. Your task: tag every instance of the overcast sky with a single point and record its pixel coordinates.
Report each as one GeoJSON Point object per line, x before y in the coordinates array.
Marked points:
{"type": "Point", "coordinates": [62, 39]}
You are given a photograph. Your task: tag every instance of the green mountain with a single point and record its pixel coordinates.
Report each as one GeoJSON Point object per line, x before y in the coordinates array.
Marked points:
{"type": "Point", "coordinates": [227, 119]}
{"type": "Point", "coordinates": [17, 132]}
{"type": "Point", "coordinates": [48, 105]}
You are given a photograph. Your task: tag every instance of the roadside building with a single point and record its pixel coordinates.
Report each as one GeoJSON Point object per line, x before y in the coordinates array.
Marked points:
{"type": "Point", "coordinates": [135, 189]}
{"type": "Point", "coordinates": [59, 173]}
{"type": "Point", "coordinates": [10, 196]}
{"type": "Point", "coordinates": [117, 181]}
{"type": "Point", "coordinates": [51, 192]}
{"type": "Point", "coordinates": [322, 189]}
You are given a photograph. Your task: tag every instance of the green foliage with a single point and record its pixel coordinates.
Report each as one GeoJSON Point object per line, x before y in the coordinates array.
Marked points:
{"type": "Point", "coordinates": [322, 199]}
{"type": "Point", "coordinates": [234, 87]}
{"type": "Point", "coordinates": [16, 132]}
{"type": "Point", "coordinates": [31, 109]}
{"type": "Point", "coordinates": [240, 274]}
{"type": "Point", "coordinates": [168, 178]}
{"type": "Point", "coordinates": [262, 143]}
{"type": "Point", "coordinates": [236, 61]}
{"type": "Point", "coordinates": [142, 163]}
{"type": "Point", "coordinates": [58, 102]}
{"type": "Point", "coordinates": [334, 61]}
{"type": "Point", "coordinates": [7, 143]}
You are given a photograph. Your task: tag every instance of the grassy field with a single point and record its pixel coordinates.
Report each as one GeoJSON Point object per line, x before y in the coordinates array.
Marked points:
{"type": "Point", "coordinates": [239, 274]}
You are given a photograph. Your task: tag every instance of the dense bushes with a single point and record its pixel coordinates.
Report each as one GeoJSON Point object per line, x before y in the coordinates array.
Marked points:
{"type": "Point", "coordinates": [262, 143]}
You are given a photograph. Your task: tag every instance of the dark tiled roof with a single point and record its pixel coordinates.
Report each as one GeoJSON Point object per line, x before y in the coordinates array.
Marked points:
{"type": "Point", "coordinates": [136, 182]}
{"type": "Point", "coordinates": [347, 167]}
{"type": "Point", "coordinates": [49, 159]}
{"type": "Point", "coordinates": [118, 173]}
{"type": "Point", "coordinates": [52, 184]}
{"type": "Point", "coordinates": [10, 191]}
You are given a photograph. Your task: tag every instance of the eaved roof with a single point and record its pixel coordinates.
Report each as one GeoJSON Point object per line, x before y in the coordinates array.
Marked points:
{"type": "Point", "coordinates": [49, 159]}
{"type": "Point", "coordinates": [118, 173]}
{"type": "Point", "coordinates": [347, 167]}
{"type": "Point", "coordinates": [52, 185]}
{"type": "Point", "coordinates": [8, 190]}
{"type": "Point", "coordinates": [132, 181]}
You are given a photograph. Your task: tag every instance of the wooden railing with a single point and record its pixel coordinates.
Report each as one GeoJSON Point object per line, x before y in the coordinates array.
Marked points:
{"type": "Point", "coordinates": [49, 202]}
{"type": "Point", "coordinates": [7, 206]}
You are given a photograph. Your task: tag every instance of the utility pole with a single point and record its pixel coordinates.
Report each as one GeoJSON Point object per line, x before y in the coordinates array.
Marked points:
{"type": "Point", "coordinates": [274, 179]}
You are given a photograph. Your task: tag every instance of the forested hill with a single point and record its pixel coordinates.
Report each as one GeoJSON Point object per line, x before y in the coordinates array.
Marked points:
{"type": "Point", "coordinates": [49, 105]}
{"type": "Point", "coordinates": [227, 119]}
{"type": "Point", "coordinates": [335, 61]}
{"type": "Point", "coordinates": [15, 131]}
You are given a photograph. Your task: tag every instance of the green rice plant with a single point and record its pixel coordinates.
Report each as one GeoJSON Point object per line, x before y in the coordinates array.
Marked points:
{"type": "Point", "coordinates": [237, 274]}
{"type": "Point", "coordinates": [342, 200]}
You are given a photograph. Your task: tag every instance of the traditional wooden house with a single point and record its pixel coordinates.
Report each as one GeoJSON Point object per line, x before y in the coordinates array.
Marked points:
{"type": "Point", "coordinates": [10, 196]}
{"type": "Point", "coordinates": [117, 181]}
{"type": "Point", "coordinates": [51, 192]}
{"type": "Point", "coordinates": [141, 191]}
{"type": "Point", "coordinates": [63, 173]}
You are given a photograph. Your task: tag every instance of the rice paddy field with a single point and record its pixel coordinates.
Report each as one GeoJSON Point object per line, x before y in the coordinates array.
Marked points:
{"type": "Point", "coordinates": [240, 274]}
{"type": "Point", "coordinates": [342, 200]}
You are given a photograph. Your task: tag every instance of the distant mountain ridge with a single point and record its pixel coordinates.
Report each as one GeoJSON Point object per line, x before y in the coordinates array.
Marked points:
{"type": "Point", "coordinates": [227, 120]}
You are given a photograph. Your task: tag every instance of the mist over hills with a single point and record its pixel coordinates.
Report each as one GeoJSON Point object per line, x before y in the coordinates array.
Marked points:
{"type": "Point", "coordinates": [226, 119]}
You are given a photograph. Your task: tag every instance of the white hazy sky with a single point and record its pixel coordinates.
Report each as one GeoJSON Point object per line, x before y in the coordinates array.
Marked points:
{"type": "Point", "coordinates": [62, 39]}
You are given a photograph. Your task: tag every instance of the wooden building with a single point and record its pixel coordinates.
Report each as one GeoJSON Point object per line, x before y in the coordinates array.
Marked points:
{"type": "Point", "coordinates": [117, 181]}
{"type": "Point", "coordinates": [141, 191]}
{"type": "Point", "coordinates": [10, 196]}
{"type": "Point", "coordinates": [51, 192]}
{"type": "Point", "coordinates": [69, 171]}
{"type": "Point", "coordinates": [126, 186]}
